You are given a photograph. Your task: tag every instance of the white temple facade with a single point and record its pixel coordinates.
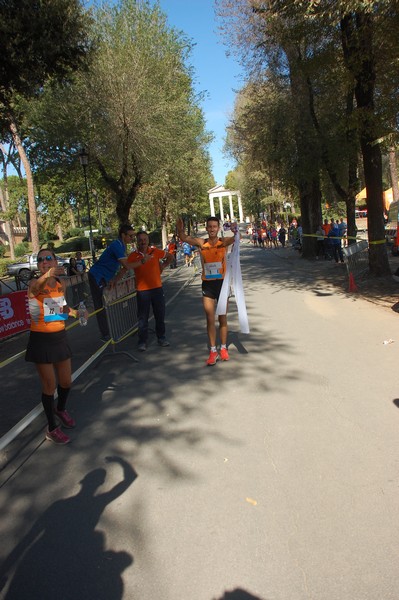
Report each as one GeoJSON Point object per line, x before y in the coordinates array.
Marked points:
{"type": "Point", "coordinates": [219, 193]}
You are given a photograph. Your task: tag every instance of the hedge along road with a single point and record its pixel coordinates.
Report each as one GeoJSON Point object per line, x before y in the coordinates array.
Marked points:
{"type": "Point", "coordinates": [274, 473]}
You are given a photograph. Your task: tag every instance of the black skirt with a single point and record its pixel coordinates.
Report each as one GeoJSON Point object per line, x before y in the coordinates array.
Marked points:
{"type": "Point", "coordinates": [47, 348]}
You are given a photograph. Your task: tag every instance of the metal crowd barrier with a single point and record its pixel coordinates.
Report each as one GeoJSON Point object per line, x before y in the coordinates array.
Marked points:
{"type": "Point", "coordinates": [77, 289]}
{"type": "Point", "coordinates": [357, 264]}
{"type": "Point", "coordinates": [120, 305]}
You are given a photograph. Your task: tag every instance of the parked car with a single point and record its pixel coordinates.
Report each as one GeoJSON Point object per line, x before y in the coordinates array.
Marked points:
{"type": "Point", "coordinates": [26, 269]}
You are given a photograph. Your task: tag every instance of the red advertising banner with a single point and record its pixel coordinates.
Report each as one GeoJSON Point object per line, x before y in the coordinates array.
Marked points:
{"type": "Point", "coordinates": [14, 314]}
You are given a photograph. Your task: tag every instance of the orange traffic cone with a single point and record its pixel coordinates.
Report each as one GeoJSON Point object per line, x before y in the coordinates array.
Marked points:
{"type": "Point", "coordinates": [352, 284]}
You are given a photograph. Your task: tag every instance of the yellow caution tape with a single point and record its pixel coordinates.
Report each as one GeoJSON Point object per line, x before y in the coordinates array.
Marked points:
{"type": "Point", "coordinates": [346, 237]}
{"type": "Point", "coordinates": [377, 242]}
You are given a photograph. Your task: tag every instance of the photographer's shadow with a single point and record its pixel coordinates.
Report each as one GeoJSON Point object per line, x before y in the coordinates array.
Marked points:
{"type": "Point", "coordinates": [63, 555]}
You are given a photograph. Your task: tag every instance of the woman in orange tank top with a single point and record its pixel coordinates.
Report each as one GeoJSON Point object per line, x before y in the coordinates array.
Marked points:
{"type": "Point", "coordinates": [48, 346]}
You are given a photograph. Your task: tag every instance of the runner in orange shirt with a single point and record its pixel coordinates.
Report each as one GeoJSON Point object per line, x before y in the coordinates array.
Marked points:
{"type": "Point", "coordinates": [48, 346]}
{"type": "Point", "coordinates": [213, 252]}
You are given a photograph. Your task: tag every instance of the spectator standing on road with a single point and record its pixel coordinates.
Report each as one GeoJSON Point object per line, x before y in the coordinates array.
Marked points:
{"type": "Point", "coordinates": [48, 346]}
{"type": "Point", "coordinates": [320, 242]}
{"type": "Point", "coordinates": [213, 252]}
{"type": "Point", "coordinates": [148, 263]}
{"type": "Point", "coordinates": [72, 270]}
{"type": "Point", "coordinates": [327, 242]}
{"type": "Point", "coordinates": [80, 262]}
{"type": "Point", "coordinates": [342, 226]}
{"type": "Point", "coordinates": [254, 235]}
{"type": "Point", "coordinates": [172, 249]}
{"type": "Point", "coordinates": [335, 239]}
{"type": "Point", "coordinates": [326, 227]}
{"type": "Point", "coordinates": [273, 232]}
{"type": "Point", "coordinates": [300, 236]}
{"type": "Point", "coordinates": [281, 235]}
{"type": "Point", "coordinates": [104, 270]}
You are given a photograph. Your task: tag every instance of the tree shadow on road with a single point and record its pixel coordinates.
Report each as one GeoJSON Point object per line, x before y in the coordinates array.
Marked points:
{"type": "Point", "coordinates": [289, 269]}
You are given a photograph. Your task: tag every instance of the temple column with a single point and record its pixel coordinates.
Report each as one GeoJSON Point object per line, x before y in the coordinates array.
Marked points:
{"type": "Point", "coordinates": [231, 207]}
{"type": "Point", "coordinates": [212, 206]}
{"type": "Point", "coordinates": [240, 211]}
{"type": "Point", "coordinates": [221, 208]}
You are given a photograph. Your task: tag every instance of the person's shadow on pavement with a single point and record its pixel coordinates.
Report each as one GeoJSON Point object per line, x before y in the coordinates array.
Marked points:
{"type": "Point", "coordinates": [239, 594]}
{"type": "Point", "coordinates": [62, 556]}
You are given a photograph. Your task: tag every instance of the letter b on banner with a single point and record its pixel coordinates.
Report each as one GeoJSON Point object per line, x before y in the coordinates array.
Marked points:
{"type": "Point", "coordinates": [6, 310]}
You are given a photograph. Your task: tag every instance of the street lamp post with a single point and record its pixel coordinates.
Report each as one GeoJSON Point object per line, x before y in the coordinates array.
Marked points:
{"type": "Point", "coordinates": [84, 161]}
{"type": "Point", "coordinates": [100, 222]}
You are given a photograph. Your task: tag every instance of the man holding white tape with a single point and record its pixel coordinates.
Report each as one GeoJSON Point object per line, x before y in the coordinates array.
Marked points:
{"type": "Point", "coordinates": [213, 251]}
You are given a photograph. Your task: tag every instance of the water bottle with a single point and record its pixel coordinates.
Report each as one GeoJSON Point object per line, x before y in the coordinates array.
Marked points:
{"type": "Point", "coordinates": [82, 314]}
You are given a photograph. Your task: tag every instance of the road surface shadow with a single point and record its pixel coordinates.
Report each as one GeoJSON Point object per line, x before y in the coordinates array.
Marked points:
{"type": "Point", "coordinates": [239, 594]}
{"type": "Point", "coordinates": [63, 554]}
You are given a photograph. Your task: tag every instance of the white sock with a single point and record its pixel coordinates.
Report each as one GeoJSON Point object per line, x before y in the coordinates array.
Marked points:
{"type": "Point", "coordinates": [213, 348]}
{"type": "Point", "coordinates": [223, 346]}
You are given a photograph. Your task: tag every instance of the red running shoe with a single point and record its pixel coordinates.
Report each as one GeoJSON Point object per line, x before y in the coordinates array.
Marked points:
{"type": "Point", "coordinates": [65, 419]}
{"type": "Point", "coordinates": [57, 436]}
{"type": "Point", "coordinates": [224, 355]}
{"type": "Point", "coordinates": [213, 358]}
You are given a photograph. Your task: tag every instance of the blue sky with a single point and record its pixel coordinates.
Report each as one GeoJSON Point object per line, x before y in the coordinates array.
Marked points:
{"type": "Point", "coordinates": [215, 73]}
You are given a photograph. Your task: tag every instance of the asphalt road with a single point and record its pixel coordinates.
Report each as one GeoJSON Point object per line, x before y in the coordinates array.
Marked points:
{"type": "Point", "coordinates": [273, 476]}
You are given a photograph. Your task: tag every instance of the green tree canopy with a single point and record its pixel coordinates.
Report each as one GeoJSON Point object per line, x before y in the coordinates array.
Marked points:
{"type": "Point", "coordinates": [134, 110]}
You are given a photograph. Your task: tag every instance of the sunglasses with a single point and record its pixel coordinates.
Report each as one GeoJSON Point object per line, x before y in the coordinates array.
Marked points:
{"type": "Point", "coordinates": [43, 258]}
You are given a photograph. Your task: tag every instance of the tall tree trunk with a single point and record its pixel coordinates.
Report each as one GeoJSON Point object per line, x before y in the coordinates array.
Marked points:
{"type": "Point", "coordinates": [58, 230]}
{"type": "Point", "coordinates": [353, 179]}
{"type": "Point", "coordinates": [357, 41]}
{"type": "Point", "coordinates": [29, 179]}
{"type": "Point", "coordinates": [124, 190]}
{"type": "Point", "coordinates": [308, 176]}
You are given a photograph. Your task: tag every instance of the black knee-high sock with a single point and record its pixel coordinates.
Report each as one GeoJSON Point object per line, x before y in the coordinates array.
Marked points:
{"type": "Point", "coordinates": [62, 397]}
{"type": "Point", "coordinates": [48, 405]}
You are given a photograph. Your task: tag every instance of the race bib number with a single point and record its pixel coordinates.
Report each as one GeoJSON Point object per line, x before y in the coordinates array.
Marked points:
{"type": "Point", "coordinates": [53, 309]}
{"type": "Point", "coordinates": [213, 270]}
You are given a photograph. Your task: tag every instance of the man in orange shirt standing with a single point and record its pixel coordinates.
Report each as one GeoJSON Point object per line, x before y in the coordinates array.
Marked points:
{"type": "Point", "coordinates": [150, 263]}
{"type": "Point", "coordinates": [327, 242]}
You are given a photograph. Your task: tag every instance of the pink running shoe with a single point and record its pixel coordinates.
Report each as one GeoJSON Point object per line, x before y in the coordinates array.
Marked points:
{"type": "Point", "coordinates": [224, 355]}
{"type": "Point", "coordinates": [65, 419]}
{"type": "Point", "coordinates": [213, 358]}
{"type": "Point", "coordinates": [57, 436]}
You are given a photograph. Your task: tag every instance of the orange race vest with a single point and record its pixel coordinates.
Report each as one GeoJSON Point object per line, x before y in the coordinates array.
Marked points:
{"type": "Point", "coordinates": [213, 260]}
{"type": "Point", "coordinates": [47, 310]}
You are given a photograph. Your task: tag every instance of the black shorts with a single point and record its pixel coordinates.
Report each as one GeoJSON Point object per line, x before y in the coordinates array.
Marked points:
{"type": "Point", "coordinates": [211, 288]}
{"type": "Point", "coordinates": [47, 348]}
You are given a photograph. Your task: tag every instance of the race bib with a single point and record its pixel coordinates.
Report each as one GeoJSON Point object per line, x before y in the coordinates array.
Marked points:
{"type": "Point", "coordinates": [213, 270]}
{"type": "Point", "coordinates": [53, 309]}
